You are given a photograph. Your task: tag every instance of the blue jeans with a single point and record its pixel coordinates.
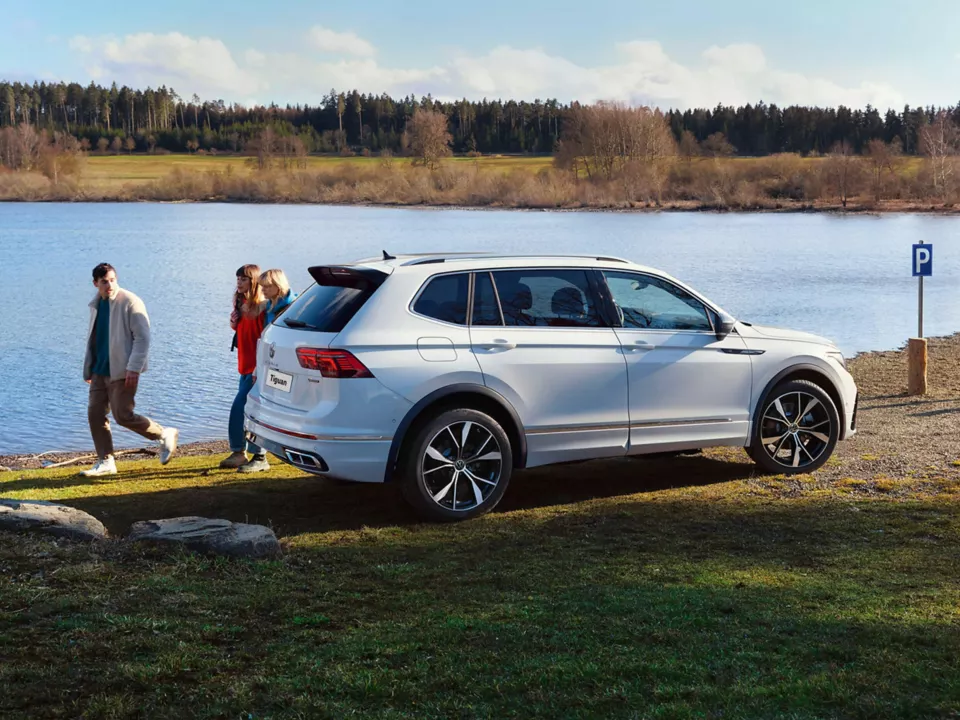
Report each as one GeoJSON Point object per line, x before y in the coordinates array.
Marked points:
{"type": "Point", "coordinates": [235, 428]}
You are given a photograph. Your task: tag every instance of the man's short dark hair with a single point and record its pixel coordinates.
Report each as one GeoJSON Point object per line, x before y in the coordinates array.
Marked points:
{"type": "Point", "coordinates": [101, 270]}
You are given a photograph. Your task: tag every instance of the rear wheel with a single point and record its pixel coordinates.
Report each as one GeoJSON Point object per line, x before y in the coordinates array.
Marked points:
{"type": "Point", "coordinates": [797, 430]}
{"type": "Point", "coordinates": [457, 466]}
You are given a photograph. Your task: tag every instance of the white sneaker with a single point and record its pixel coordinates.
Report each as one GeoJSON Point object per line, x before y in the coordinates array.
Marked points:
{"type": "Point", "coordinates": [168, 444]}
{"type": "Point", "coordinates": [107, 466]}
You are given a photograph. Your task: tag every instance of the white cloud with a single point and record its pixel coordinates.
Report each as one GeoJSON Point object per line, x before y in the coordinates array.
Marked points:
{"type": "Point", "coordinates": [196, 65]}
{"type": "Point", "coordinates": [642, 72]}
{"type": "Point", "coordinates": [345, 43]}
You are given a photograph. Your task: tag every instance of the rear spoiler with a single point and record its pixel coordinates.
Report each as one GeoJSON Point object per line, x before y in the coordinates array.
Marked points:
{"type": "Point", "coordinates": [359, 278]}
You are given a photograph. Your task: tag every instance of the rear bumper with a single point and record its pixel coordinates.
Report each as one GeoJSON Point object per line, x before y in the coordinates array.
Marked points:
{"type": "Point", "coordinates": [358, 459]}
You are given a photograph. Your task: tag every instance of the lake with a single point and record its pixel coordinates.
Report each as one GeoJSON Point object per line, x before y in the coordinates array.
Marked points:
{"type": "Point", "coordinates": [844, 277]}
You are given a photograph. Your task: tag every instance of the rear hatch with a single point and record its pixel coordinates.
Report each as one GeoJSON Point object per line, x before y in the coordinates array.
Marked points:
{"type": "Point", "coordinates": [295, 366]}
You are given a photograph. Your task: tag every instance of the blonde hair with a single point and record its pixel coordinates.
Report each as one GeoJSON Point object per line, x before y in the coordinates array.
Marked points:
{"type": "Point", "coordinates": [253, 301]}
{"type": "Point", "coordinates": [276, 277]}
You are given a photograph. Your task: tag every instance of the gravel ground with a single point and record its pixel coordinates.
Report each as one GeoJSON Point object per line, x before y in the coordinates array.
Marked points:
{"type": "Point", "coordinates": [898, 436]}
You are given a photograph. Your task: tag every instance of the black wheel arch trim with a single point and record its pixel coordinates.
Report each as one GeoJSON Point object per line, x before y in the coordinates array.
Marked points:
{"type": "Point", "coordinates": [461, 388]}
{"type": "Point", "coordinates": [786, 372]}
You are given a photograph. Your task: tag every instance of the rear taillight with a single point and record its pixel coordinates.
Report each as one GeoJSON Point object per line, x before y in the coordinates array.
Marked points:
{"type": "Point", "coordinates": [332, 363]}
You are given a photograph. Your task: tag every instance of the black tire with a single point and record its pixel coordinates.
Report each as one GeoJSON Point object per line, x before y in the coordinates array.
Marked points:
{"type": "Point", "coordinates": [424, 476]}
{"type": "Point", "coordinates": [801, 443]}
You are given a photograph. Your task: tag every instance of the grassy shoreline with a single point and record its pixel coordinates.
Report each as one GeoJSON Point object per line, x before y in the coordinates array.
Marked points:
{"type": "Point", "coordinates": [775, 184]}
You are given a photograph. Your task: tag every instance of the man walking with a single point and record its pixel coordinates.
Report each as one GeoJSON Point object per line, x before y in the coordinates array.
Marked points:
{"type": "Point", "coordinates": [118, 342]}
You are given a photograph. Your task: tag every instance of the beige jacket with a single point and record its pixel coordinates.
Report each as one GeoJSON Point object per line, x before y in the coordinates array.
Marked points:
{"type": "Point", "coordinates": [129, 335]}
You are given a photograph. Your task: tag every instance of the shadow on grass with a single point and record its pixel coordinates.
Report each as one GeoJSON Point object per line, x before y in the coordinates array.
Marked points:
{"type": "Point", "coordinates": [123, 476]}
{"type": "Point", "coordinates": [311, 504]}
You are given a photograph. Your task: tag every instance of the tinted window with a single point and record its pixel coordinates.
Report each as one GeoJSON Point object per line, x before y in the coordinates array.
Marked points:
{"type": "Point", "coordinates": [325, 308]}
{"type": "Point", "coordinates": [648, 302]}
{"type": "Point", "coordinates": [445, 298]}
{"type": "Point", "coordinates": [486, 310]}
{"type": "Point", "coordinates": [548, 298]}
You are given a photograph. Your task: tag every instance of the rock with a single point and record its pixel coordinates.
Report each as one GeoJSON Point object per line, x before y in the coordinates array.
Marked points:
{"type": "Point", "coordinates": [50, 518]}
{"type": "Point", "coordinates": [206, 535]}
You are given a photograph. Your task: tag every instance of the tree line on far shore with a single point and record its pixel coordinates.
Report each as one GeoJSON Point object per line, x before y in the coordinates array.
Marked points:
{"type": "Point", "coordinates": [627, 155]}
{"type": "Point", "coordinates": [123, 119]}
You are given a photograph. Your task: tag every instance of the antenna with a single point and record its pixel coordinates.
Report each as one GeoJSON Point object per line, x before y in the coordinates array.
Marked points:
{"type": "Point", "coordinates": [388, 256]}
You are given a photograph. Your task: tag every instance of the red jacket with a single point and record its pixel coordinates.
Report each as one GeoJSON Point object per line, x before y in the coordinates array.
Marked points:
{"type": "Point", "coordinates": [248, 332]}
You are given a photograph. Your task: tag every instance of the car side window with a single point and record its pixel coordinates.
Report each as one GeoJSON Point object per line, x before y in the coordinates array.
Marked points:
{"type": "Point", "coordinates": [651, 303]}
{"type": "Point", "coordinates": [486, 309]}
{"type": "Point", "coordinates": [445, 299]}
{"type": "Point", "coordinates": [547, 298]}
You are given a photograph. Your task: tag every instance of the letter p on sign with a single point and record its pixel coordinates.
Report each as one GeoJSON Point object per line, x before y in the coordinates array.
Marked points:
{"type": "Point", "coordinates": [922, 260]}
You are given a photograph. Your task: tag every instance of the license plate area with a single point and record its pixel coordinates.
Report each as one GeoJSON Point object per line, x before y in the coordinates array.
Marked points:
{"type": "Point", "coordinates": [277, 380]}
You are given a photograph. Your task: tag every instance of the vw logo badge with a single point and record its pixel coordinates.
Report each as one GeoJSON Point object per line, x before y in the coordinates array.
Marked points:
{"type": "Point", "coordinates": [272, 349]}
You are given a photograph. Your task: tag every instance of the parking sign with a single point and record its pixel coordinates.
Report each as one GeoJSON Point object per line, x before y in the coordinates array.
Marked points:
{"type": "Point", "coordinates": [922, 260]}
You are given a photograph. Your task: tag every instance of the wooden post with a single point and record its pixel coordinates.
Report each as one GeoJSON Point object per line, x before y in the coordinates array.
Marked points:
{"type": "Point", "coordinates": [917, 366]}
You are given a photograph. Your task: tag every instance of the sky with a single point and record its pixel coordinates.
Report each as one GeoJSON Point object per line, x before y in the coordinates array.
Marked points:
{"type": "Point", "coordinates": [669, 55]}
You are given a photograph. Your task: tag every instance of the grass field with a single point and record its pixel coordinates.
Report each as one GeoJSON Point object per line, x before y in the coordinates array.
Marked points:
{"type": "Point", "coordinates": [115, 171]}
{"type": "Point", "coordinates": [783, 182]}
{"type": "Point", "coordinates": [684, 588]}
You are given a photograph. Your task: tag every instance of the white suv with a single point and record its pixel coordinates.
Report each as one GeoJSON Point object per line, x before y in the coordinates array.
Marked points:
{"type": "Point", "coordinates": [448, 372]}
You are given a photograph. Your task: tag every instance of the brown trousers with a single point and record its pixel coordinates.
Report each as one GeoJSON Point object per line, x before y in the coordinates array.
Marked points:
{"type": "Point", "coordinates": [113, 396]}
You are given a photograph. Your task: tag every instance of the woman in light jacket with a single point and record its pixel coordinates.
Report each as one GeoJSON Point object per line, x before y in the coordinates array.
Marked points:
{"type": "Point", "coordinates": [276, 289]}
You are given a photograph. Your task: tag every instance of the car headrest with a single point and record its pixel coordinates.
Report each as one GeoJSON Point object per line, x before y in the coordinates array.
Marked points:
{"type": "Point", "coordinates": [568, 302]}
{"type": "Point", "coordinates": [522, 297]}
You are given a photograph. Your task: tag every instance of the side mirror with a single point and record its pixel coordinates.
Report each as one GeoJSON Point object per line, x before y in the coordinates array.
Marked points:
{"type": "Point", "coordinates": [724, 327]}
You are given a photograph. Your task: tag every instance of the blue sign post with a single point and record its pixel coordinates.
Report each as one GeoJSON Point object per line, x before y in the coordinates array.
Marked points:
{"type": "Point", "coordinates": [922, 267]}
{"type": "Point", "coordinates": [922, 263]}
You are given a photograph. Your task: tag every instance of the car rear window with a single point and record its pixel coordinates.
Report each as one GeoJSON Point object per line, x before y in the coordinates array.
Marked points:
{"type": "Point", "coordinates": [331, 303]}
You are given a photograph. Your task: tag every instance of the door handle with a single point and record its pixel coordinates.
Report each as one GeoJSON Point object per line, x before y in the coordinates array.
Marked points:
{"type": "Point", "coordinates": [639, 346]}
{"type": "Point", "coordinates": [497, 344]}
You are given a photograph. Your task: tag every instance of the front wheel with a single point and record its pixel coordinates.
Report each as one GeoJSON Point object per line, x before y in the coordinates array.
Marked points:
{"type": "Point", "coordinates": [797, 430]}
{"type": "Point", "coordinates": [457, 466]}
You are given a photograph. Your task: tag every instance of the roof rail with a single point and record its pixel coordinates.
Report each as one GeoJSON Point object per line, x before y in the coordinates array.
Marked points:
{"type": "Point", "coordinates": [433, 258]}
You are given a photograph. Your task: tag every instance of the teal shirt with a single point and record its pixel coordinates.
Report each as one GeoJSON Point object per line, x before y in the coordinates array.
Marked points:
{"type": "Point", "coordinates": [101, 358]}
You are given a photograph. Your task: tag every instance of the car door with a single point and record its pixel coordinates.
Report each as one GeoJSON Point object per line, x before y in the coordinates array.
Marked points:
{"type": "Point", "coordinates": [687, 387]}
{"type": "Point", "coordinates": [541, 342]}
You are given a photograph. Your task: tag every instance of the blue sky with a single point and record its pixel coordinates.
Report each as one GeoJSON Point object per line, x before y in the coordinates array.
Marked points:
{"type": "Point", "coordinates": [688, 54]}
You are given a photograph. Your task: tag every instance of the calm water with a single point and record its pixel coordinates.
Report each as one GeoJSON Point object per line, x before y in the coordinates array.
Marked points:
{"type": "Point", "coordinates": [846, 278]}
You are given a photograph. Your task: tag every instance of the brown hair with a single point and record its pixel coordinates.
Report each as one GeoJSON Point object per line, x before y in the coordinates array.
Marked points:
{"type": "Point", "coordinates": [251, 303]}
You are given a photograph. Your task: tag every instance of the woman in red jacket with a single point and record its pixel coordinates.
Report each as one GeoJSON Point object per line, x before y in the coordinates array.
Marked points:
{"type": "Point", "coordinates": [247, 320]}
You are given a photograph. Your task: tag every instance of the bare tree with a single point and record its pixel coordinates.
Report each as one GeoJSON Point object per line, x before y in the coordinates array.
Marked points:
{"type": "Point", "coordinates": [844, 170]}
{"type": "Point", "coordinates": [130, 144]}
{"type": "Point", "coordinates": [265, 146]}
{"type": "Point", "coordinates": [612, 140]}
{"type": "Point", "coordinates": [940, 141]}
{"type": "Point", "coordinates": [428, 137]}
{"type": "Point", "coordinates": [689, 147]}
{"type": "Point", "coordinates": [60, 157]}
{"type": "Point", "coordinates": [717, 145]}
{"type": "Point", "coordinates": [882, 158]}
{"type": "Point", "coordinates": [102, 145]}
{"type": "Point", "coordinates": [116, 145]}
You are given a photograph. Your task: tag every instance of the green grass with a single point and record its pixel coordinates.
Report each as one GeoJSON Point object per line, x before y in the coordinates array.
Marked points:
{"type": "Point", "coordinates": [653, 589]}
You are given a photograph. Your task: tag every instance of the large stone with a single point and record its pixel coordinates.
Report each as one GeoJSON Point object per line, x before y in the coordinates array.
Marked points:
{"type": "Point", "coordinates": [50, 518]}
{"type": "Point", "coordinates": [207, 535]}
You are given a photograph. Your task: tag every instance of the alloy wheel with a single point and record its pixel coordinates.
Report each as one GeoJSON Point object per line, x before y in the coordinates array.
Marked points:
{"type": "Point", "coordinates": [796, 430]}
{"type": "Point", "coordinates": [462, 466]}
